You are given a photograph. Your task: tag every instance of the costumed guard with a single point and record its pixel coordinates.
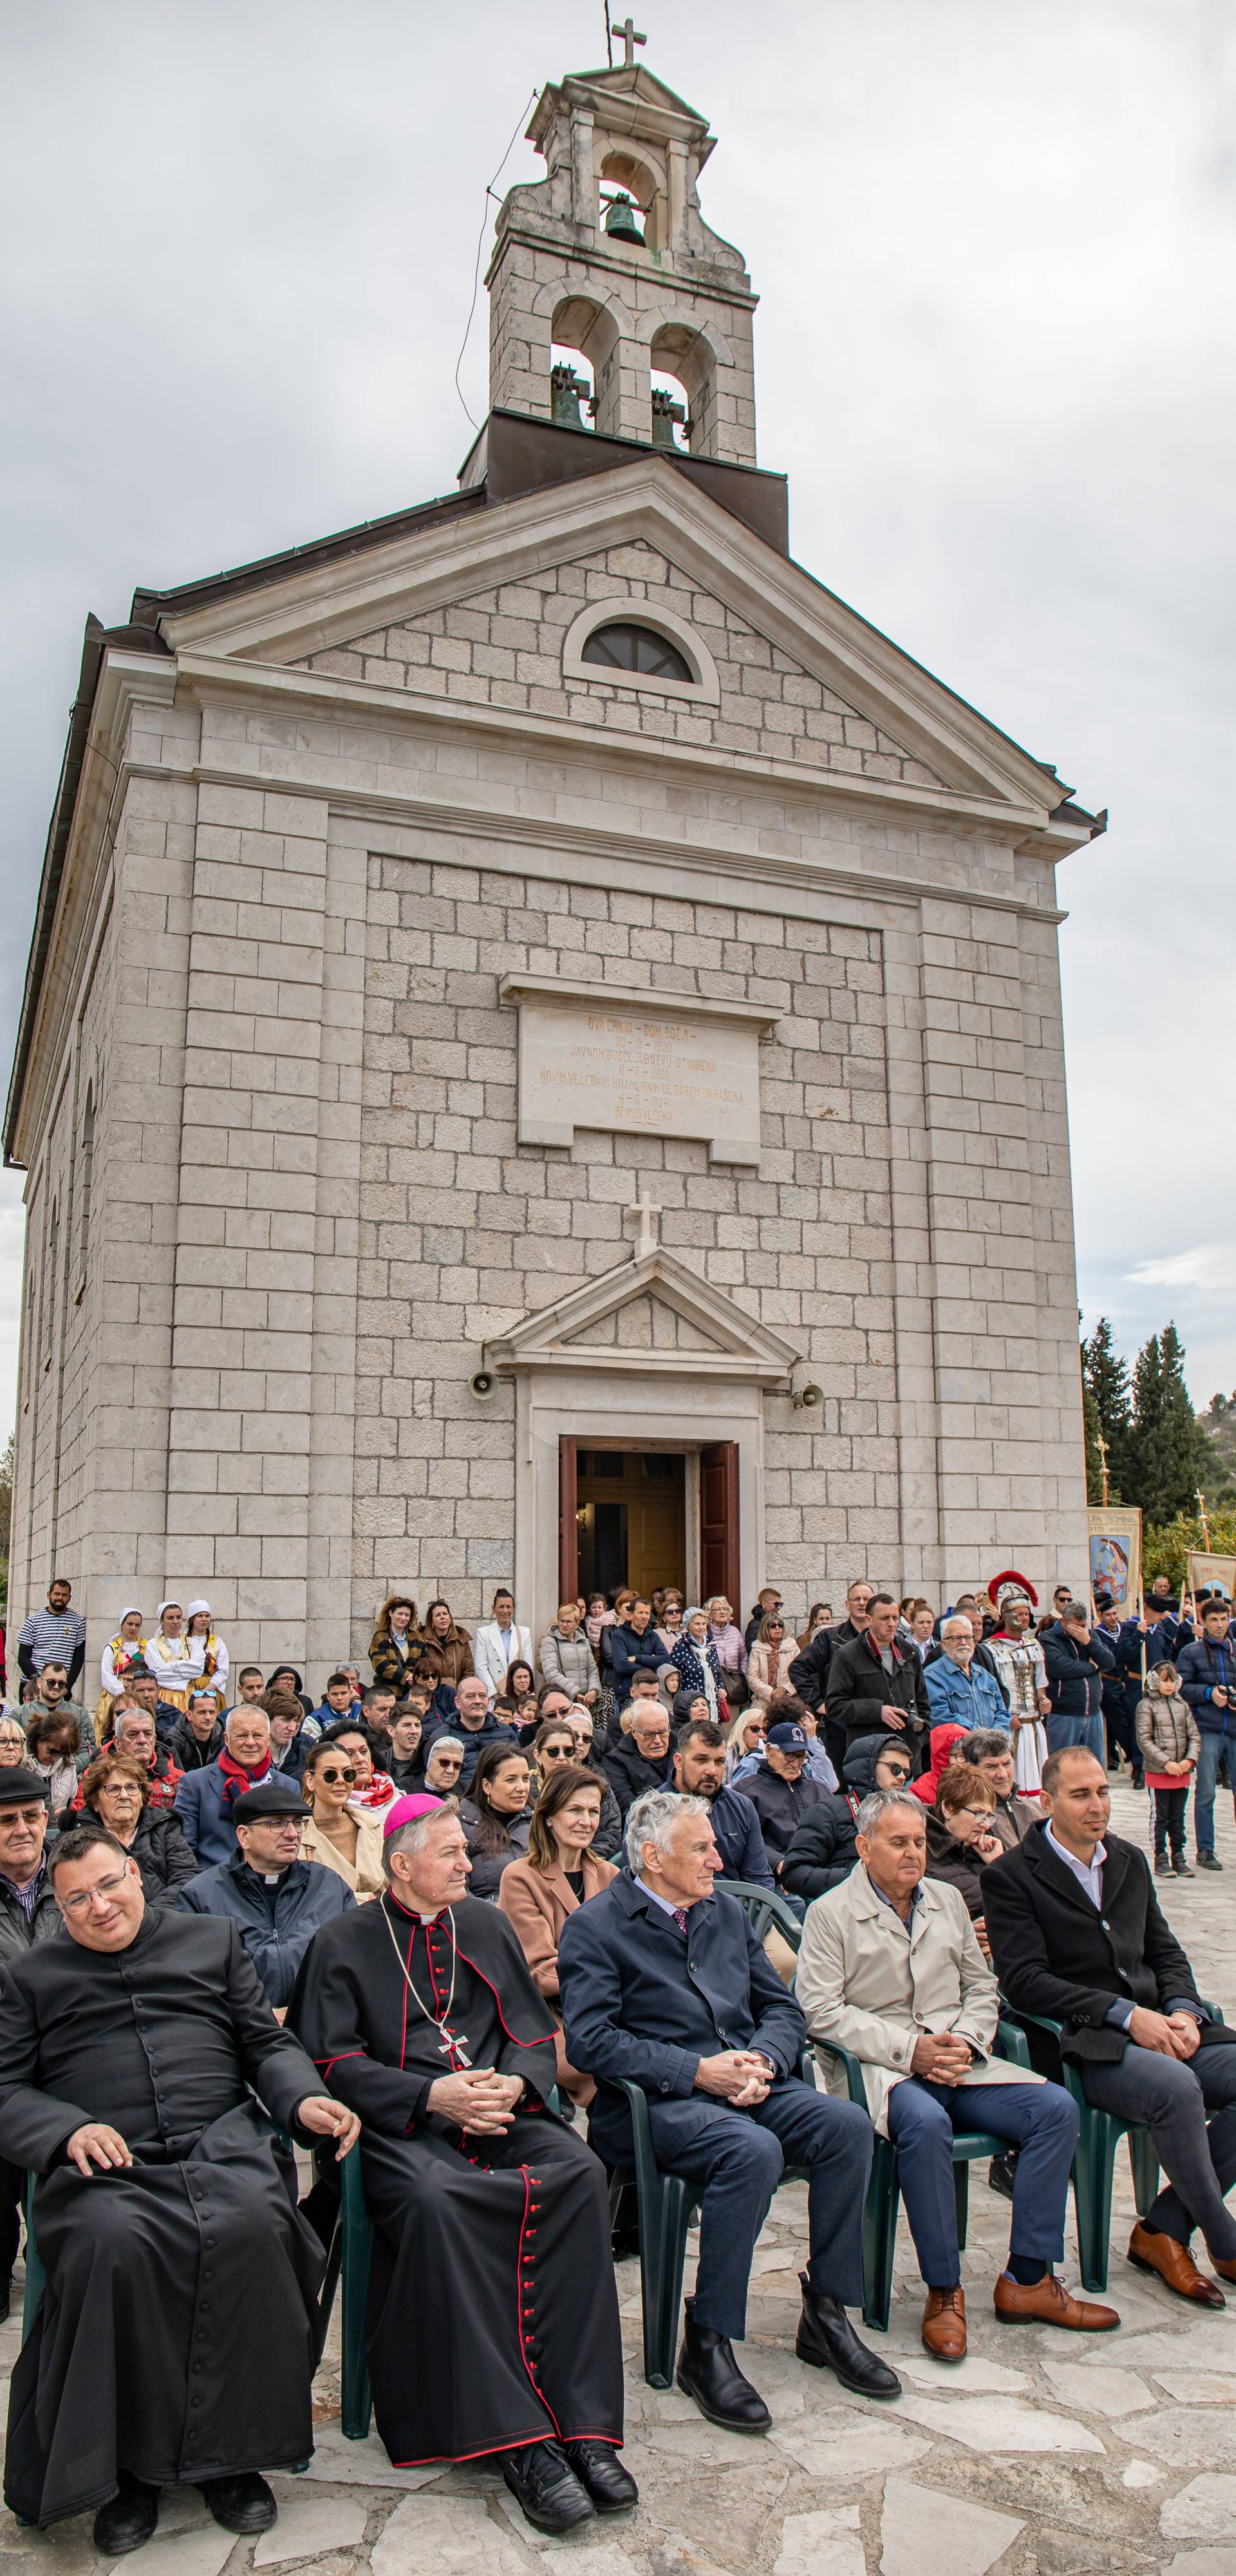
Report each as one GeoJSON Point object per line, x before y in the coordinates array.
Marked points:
{"type": "Point", "coordinates": [1019, 1662]}
{"type": "Point", "coordinates": [493, 2319]}
{"type": "Point", "coordinates": [177, 2335]}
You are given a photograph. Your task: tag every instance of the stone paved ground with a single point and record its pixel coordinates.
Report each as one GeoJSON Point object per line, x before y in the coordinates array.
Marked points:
{"type": "Point", "coordinates": [1041, 2452]}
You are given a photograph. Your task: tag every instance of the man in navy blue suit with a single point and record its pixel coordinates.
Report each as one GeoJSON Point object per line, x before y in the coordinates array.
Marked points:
{"type": "Point", "coordinates": [663, 1983]}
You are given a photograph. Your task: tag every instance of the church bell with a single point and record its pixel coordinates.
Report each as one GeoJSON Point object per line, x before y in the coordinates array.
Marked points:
{"type": "Point", "coordinates": [620, 222]}
{"type": "Point", "coordinates": [565, 388]}
{"type": "Point", "coordinates": [666, 415]}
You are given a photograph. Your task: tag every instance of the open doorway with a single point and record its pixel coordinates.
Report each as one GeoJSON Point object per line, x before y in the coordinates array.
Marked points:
{"type": "Point", "coordinates": [648, 1517]}
{"type": "Point", "coordinates": [631, 1518]}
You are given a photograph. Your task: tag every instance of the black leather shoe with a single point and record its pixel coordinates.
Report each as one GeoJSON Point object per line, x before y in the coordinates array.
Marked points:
{"type": "Point", "coordinates": [708, 2372]}
{"type": "Point", "coordinates": [1001, 2172]}
{"type": "Point", "coordinates": [545, 2487]}
{"type": "Point", "coordinates": [827, 2340]}
{"type": "Point", "coordinates": [1206, 1860]}
{"type": "Point", "coordinates": [601, 2473]}
{"type": "Point", "coordinates": [128, 2521]}
{"type": "Point", "coordinates": [244, 2504]}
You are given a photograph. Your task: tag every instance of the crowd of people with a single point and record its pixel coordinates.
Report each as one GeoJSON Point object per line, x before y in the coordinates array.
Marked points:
{"type": "Point", "coordinates": [443, 1914]}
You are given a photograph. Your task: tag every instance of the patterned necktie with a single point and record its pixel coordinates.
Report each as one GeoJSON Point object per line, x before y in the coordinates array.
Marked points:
{"type": "Point", "coordinates": [680, 1918]}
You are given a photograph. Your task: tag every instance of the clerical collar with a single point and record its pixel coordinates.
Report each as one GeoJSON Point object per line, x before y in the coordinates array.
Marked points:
{"type": "Point", "coordinates": [410, 1911]}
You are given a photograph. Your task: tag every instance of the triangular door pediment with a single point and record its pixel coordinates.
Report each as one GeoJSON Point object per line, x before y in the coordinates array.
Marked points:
{"type": "Point", "coordinates": [650, 1315]}
{"type": "Point", "coordinates": [324, 608]}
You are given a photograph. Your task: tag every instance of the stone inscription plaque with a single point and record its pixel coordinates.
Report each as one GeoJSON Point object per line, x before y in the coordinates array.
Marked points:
{"type": "Point", "coordinates": [654, 1071]}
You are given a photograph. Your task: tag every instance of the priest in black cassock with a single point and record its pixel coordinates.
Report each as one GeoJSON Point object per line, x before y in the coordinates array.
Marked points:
{"type": "Point", "coordinates": [493, 2320]}
{"type": "Point", "coordinates": [177, 2336]}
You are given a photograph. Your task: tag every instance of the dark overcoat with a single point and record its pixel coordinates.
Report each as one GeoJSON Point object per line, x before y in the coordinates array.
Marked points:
{"type": "Point", "coordinates": [1055, 1953]}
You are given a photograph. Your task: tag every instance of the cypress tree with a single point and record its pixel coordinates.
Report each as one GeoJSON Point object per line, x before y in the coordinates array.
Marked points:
{"type": "Point", "coordinates": [1169, 1453]}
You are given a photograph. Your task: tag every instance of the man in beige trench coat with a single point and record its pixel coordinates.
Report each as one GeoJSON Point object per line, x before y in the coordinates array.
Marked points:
{"type": "Point", "coordinates": [891, 1970]}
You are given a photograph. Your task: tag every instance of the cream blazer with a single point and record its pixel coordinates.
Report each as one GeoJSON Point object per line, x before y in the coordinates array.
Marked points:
{"type": "Point", "coordinates": [864, 1982]}
{"type": "Point", "coordinates": [363, 1875]}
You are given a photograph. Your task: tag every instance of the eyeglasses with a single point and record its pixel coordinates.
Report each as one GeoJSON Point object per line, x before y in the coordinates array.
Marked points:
{"type": "Point", "coordinates": [449, 1762]}
{"type": "Point", "coordinates": [334, 1776]}
{"type": "Point", "coordinates": [105, 1887]}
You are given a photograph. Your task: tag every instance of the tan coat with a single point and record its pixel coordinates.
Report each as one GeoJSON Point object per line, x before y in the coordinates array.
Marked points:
{"type": "Point", "coordinates": [537, 1902]}
{"type": "Point", "coordinates": [364, 1874]}
{"type": "Point", "coordinates": [866, 1982]}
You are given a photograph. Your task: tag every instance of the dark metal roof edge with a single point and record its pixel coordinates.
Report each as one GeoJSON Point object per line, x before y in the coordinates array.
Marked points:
{"type": "Point", "coordinates": [53, 865]}
{"type": "Point", "coordinates": [150, 605]}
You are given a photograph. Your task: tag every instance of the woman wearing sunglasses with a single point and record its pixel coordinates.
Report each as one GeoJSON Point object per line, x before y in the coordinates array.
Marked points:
{"type": "Point", "coordinates": [443, 1764]}
{"type": "Point", "coordinates": [336, 1836]}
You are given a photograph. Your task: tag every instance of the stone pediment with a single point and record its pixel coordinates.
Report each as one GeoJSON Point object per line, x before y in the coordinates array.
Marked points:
{"type": "Point", "coordinates": [647, 1315]}
{"type": "Point", "coordinates": [282, 640]}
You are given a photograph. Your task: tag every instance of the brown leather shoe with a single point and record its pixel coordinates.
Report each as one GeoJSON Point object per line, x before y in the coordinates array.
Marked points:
{"type": "Point", "coordinates": [1048, 2303]}
{"type": "Point", "coordinates": [1226, 2268]}
{"type": "Point", "coordinates": [944, 2325]}
{"type": "Point", "coordinates": [1174, 2264]}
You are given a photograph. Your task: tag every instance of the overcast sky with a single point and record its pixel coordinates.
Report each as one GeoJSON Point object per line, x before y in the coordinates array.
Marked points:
{"type": "Point", "coordinates": [994, 354]}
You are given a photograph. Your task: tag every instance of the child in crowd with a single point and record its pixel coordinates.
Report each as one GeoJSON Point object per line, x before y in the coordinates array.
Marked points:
{"type": "Point", "coordinates": [1168, 1740]}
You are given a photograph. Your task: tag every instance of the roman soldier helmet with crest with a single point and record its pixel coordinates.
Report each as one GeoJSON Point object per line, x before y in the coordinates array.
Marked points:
{"type": "Point", "coordinates": [1008, 1587]}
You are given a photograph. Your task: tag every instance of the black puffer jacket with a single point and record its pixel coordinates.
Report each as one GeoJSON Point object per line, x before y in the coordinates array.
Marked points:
{"type": "Point", "coordinates": [823, 1850]}
{"type": "Point", "coordinates": [163, 1856]}
{"type": "Point", "coordinates": [629, 1774]}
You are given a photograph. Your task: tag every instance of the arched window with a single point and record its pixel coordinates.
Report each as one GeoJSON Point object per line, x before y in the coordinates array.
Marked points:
{"type": "Point", "coordinates": [87, 1182]}
{"type": "Point", "coordinates": [623, 646]}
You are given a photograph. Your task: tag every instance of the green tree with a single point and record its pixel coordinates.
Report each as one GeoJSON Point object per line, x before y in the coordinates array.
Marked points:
{"type": "Point", "coordinates": [1105, 1378]}
{"type": "Point", "coordinates": [1168, 1450]}
{"type": "Point", "coordinates": [1094, 1447]}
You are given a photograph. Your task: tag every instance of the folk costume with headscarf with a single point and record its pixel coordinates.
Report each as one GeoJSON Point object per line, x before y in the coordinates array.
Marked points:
{"type": "Point", "coordinates": [1022, 1672]}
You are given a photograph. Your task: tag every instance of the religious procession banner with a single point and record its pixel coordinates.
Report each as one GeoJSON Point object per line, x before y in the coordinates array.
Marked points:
{"type": "Point", "coordinates": [1116, 1555]}
{"type": "Point", "coordinates": [1212, 1573]}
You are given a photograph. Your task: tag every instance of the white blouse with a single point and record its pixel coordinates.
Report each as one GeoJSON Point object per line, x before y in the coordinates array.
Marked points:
{"type": "Point", "coordinates": [180, 1662]}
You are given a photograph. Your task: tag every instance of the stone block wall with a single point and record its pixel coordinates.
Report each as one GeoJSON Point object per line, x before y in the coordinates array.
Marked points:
{"type": "Point", "coordinates": [502, 647]}
{"type": "Point", "coordinates": [462, 1230]}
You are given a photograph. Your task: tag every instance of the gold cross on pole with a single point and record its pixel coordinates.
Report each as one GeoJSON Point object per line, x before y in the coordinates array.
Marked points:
{"type": "Point", "coordinates": [630, 37]}
{"type": "Point", "coordinates": [1103, 1457]}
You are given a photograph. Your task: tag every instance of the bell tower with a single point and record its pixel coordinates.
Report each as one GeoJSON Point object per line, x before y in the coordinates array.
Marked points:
{"type": "Point", "coordinates": [609, 256]}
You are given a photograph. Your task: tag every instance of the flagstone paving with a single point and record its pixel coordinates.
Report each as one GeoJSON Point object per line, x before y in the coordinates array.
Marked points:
{"type": "Point", "coordinates": [1041, 2453]}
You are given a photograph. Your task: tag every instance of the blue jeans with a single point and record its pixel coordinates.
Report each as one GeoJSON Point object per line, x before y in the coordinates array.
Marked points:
{"type": "Point", "coordinates": [1213, 1748]}
{"type": "Point", "coordinates": [740, 2156]}
{"type": "Point", "coordinates": [1042, 2119]}
{"type": "Point", "coordinates": [1062, 1731]}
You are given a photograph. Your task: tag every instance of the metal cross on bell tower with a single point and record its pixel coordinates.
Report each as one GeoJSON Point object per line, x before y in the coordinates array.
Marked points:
{"type": "Point", "coordinates": [629, 35]}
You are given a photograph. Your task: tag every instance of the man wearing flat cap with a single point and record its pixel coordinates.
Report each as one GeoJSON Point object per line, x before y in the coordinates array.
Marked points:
{"type": "Point", "coordinates": [275, 1899]}
{"type": "Point", "coordinates": [28, 1913]}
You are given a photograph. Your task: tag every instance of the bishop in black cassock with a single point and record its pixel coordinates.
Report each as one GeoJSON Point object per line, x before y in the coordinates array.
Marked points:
{"type": "Point", "coordinates": [177, 2336]}
{"type": "Point", "coordinates": [493, 2320]}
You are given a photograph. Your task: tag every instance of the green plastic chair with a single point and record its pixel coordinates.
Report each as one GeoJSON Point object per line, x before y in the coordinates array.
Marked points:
{"type": "Point", "coordinates": [1094, 2160]}
{"type": "Point", "coordinates": [762, 1907]}
{"type": "Point", "coordinates": [352, 2254]}
{"type": "Point", "coordinates": [667, 2204]}
{"type": "Point", "coordinates": [354, 2236]}
{"type": "Point", "coordinates": [883, 2190]}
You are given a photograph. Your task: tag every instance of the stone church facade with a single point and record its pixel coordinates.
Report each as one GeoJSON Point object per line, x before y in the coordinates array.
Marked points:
{"type": "Point", "coordinates": [497, 1110]}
